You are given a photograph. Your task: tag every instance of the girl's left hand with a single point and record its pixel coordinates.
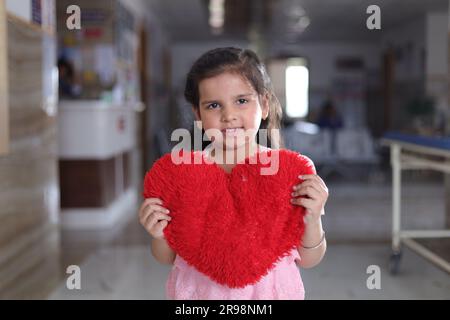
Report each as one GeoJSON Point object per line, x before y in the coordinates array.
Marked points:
{"type": "Point", "coordinates": [317, 194]}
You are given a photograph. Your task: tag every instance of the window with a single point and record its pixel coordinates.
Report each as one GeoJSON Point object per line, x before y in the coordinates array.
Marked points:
{"type": "Point", "coordinates": [297, 84]}
{"type": "Point", "coordinates": [290, 78]}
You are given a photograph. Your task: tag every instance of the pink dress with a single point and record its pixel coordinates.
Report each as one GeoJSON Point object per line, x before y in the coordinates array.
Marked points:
{"type": "Point", "coordinates": [282, 282]}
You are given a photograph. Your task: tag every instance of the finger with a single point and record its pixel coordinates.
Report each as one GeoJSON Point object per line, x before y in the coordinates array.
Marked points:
{"type": "Point", "coordinates": [153, 201]}
{"type": "Point", "coordinates": [157, 216]}
{"type": "Point", "coordinates": [314, 177]}
{"type": "Point", "coordinates": [147, 213]}
{"type": "Point", "coordinates": [311, 184]}
{"type": "Point", "coordinates": [157, 207]}
{"type": "Point", "coordinates": [154, 218]}
{"type": "Point", "coordinates": [144, 204]}
{"type": "Point", "coordinates": [321, 182]}
{"type": "Point", "coordinates": [316, 184]}
{"type": "Point", "coordinates": [306, 203]}
{"type": "Point", "coordinates": [309, 177]}
{"type": "Point", "coordinates": [153, 207]}
{"type": "Point", "coordinates": [307, 191]}
{"type": "Point", "coordinates": [159, 227]}
{"type": "Point", "coordinates": [150, 201]}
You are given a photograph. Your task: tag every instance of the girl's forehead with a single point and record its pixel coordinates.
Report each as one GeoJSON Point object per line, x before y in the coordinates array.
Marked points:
{"type": "Point", "coordinates": [226, 81]}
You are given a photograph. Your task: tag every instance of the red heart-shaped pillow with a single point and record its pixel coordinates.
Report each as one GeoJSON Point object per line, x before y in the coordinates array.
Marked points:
{"type": "Point", "coordinates": [232, 227]}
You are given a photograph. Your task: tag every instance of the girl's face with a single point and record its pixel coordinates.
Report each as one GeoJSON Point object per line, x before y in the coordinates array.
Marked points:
{"type": "Point", "coordinates": [229, 103]}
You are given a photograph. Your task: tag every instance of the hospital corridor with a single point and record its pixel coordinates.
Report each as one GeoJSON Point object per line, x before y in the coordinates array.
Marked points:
{"type": "Point", "coordinates": [94, 93]}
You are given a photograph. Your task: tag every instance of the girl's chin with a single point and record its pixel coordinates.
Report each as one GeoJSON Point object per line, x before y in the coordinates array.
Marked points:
{"type": "Point", "coordinates": [230, 145]}
{"type": "Point", "coordinates": [231, 141]}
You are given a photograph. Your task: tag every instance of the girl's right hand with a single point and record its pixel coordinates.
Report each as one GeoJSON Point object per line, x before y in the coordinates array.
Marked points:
{"type": "Point", "coordinates": [154, 217]}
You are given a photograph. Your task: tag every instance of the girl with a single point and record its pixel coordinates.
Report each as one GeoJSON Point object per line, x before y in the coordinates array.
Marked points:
{"type": "Point", "coordinates": [229, 90]}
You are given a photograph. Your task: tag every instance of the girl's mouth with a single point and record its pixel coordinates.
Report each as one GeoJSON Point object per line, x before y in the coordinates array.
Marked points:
{"type": "Point", "coordinates": [232, 131]}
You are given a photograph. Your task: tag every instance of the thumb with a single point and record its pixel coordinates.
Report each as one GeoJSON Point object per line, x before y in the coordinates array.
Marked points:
{"type": "Point", "coordinates": [161, 225]}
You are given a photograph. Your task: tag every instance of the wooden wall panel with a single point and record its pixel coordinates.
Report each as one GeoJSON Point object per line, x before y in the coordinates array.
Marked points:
{"type": "Point", "coordinates": [29, 191]}
{"type": "Point", "coordinates": [4, 122]}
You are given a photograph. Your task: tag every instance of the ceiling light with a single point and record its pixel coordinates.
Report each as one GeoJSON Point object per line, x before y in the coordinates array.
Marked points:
{"type": "Point", "coordinates": [303, 22]}
{"type": "Point", "coordinates": [216, 14]}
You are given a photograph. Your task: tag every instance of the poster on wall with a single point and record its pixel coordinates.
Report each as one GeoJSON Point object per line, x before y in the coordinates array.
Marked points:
{"type": "Point", "coordinates": [20, 9]}
{"type": "Point", "coordinates": [126, 46]}
{"type": "Point", "coordinates": [43, 14]}
{"type": "Point", "coordinates": [89, 53]}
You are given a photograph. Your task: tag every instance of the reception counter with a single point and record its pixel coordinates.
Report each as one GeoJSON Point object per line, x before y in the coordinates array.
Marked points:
{"type": "Point", "coordinates": [96, 140]}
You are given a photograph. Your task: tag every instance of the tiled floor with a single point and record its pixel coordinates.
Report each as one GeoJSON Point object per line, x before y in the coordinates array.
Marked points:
{"type": "Point", "coordinates": [118, 264]}
{"type": "Point", "coordinates": [131, 273]}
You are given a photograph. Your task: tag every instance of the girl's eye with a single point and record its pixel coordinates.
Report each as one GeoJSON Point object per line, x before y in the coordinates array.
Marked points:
{"type": "Point", "coordinates": [242, 101]}
{"type": "Point", "coordinates": [213, 105]}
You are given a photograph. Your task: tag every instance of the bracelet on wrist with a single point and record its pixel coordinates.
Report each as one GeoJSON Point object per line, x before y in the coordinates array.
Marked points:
{"type": "Point", "coordinates": [317, 245]}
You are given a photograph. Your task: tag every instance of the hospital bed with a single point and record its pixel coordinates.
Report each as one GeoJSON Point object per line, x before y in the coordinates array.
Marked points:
{"type": "Point", "coordinates": [413, 152]}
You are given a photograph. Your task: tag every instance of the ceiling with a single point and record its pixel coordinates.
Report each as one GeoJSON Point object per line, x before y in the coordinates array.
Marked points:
{"type": "Point", "coordinates": [330, 20]}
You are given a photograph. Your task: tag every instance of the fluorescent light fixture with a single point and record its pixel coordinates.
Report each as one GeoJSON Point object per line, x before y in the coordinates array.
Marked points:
{"type": "Point", "coordinates": [216, 14]}
{"type": "Point", "coordinates": [303, 22]}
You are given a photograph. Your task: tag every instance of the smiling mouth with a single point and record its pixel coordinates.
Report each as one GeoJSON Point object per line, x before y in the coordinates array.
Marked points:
{"type": "Point", "coordinates": [232, 131]}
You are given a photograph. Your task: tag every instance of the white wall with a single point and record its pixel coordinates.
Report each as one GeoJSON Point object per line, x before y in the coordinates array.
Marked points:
{"type": "Point", "coordinates": [321, 57]}
{"type": "Point", "coordinates": [137, 7]}
{"type": "Point", "coordinates": [410, 66]}
{"type": "Point", "coordinates": [185, 54]}
{"type": "Point", "coordinates": [20, 8]}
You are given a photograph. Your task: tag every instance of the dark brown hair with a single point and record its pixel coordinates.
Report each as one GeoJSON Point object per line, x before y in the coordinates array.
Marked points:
{"type": "Point", "coordinates": [245, 63]}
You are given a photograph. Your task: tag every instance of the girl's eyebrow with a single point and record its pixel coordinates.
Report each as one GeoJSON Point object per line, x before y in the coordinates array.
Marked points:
{"type": "Point", "coordinates": [243, 95]}
{"type": "Point", "coordinates": [236, 97]}
{"type": "Point", "coordinates": [208, 102]}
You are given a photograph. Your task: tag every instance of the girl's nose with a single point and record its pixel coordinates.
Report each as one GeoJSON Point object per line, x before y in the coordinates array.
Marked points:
{"type": "Point", "coordinates": [228, 114]}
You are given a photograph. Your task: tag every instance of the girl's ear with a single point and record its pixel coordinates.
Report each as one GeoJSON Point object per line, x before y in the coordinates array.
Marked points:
{"type": "Point", "coordinates": [265, 107]}
{"type": "Point", "coordinates": [198, 119]}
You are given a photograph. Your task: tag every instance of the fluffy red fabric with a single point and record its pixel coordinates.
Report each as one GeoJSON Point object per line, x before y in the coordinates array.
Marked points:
{"type": "Point", "coordinates": [232, 227]}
